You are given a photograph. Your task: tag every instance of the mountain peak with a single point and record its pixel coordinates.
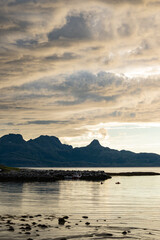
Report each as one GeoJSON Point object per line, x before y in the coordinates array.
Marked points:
{"type": "Point", "coordinates": [46, 139]}
{"type": "Point", "coordinates": [95, 143]}
{"type": "Point", "coordinates": [12, 138]}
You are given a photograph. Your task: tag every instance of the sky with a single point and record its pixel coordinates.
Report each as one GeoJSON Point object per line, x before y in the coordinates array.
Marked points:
{"type": "Point", "coordinates": [81, 70]}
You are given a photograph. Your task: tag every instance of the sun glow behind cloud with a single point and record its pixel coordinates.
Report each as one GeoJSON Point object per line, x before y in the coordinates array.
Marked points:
{"type": "Point", "coordinates": [120, 136]}
{"type": "Point", "coordinates": [81, 70]}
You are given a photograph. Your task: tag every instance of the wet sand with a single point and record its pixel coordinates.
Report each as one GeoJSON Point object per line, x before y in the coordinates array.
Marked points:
{"type": "Point", "coordinates": [50, 227]}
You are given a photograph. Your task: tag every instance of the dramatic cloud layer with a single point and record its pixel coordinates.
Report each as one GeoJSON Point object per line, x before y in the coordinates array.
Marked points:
{"type": "Point", "coordinates": [68, 64]}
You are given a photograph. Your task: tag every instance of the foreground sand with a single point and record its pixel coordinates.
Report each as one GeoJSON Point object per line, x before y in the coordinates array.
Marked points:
{"type": "Point", "coordinates": [50, 227]}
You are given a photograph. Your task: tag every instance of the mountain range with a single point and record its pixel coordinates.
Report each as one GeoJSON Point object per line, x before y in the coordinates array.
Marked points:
{"type": "Point", "coordinates": [48, 151]}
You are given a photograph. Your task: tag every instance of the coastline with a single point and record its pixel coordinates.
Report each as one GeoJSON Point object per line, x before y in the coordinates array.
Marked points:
{"type": "Point", "coordinates": [25, 175]}
{"type": "Point", "coordinates": [31, 175]}
{"type": "Point", "coordinates": [85, 224]}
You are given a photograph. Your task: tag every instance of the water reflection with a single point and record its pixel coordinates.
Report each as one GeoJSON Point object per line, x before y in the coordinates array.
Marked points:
{"type": "Point", "coordinates": [11, 196]}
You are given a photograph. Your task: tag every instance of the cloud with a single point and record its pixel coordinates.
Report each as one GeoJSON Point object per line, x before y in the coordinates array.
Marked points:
{"type": "Point", "coordinates": [64, 57]}
{"type": "Point", "coordinates": [42, 122]}
{"type": "Point", "coordinates": [86, 36]}
{"type": "Point", "coordinates": [84, 62]}
{"type": "Point", "coordinates": [116, 96]}
{"type": "Point", "coordinates": [75, 28]}
{"type": "Point", "coordinates": [124, 30]}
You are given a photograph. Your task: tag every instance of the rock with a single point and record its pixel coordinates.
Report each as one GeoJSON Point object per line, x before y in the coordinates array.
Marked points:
{"type": "Point", "coordinates": [117, 183]}
{"type": "Point", "coordinates": [23, 228]}
{"type": "Point", "coordinates": [124, 232]}
{"type": "Point", "coordinates": [104, 234]}
{"type": "Point", "coordinates": [68, 226]}
{"type": "Point", "coordinates": [84, 216]}
{"type": "Point", "coordinates": [42, 226]}
{"type": "Point", "coordinates": [27, 233]}
{"type": "Point", "coordinates": [65, 217]}
{"type": "Point", "coordinates": [61, 221]}
{"type": "Point", "coordinates": [87, 223]}
{"type": "Point", "coordinates": [11, 229]}
{"type": "Point", "coordinates": [28, 228]}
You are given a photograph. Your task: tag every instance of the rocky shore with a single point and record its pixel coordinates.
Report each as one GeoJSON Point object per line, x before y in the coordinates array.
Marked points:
{"type": "Point", "coordinates": [30, 175]}
{"type": "Point", "coordinates": [51, 227]}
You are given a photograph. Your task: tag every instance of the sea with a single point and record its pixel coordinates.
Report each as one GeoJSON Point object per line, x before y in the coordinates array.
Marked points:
{"type": "Point", "coordinates": [130, 209]}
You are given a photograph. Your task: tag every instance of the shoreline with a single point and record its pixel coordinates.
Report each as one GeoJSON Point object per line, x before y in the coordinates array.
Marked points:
{"type": "Point", "coordinates": [52, 227]}
{"type": "Point", "coordinates": [32, 175]}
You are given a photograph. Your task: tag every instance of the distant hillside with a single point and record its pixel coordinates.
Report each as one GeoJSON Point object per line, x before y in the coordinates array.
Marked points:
{"type": "Point", "coordinates": [46, 151]}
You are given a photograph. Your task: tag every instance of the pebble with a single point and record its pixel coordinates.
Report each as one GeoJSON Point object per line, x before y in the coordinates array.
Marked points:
{"type": "Point", "coordinates": [68, 226]}
{"type": "Point", "coordinates": [11, 229]}
{"type": "Point", "coordinates": [87, 223]}
{"type": "Point", "coordinates": [118, 183]}
{"type": "Point", "coordinates": [42, 226]}
{"type": "Point", "coordinates": [61, 221]}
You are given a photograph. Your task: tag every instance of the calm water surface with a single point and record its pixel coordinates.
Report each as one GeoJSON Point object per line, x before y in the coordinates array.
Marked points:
{"type": "Point", "coordinates": [133, 204]}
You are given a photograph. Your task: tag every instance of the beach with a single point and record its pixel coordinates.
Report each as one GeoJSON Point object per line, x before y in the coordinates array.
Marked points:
{"type": "Point", "coordinates": [122, 207]}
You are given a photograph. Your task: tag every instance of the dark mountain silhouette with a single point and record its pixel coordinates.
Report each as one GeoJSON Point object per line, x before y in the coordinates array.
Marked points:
{"type": "Point", "coordinates": [48, 151]}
